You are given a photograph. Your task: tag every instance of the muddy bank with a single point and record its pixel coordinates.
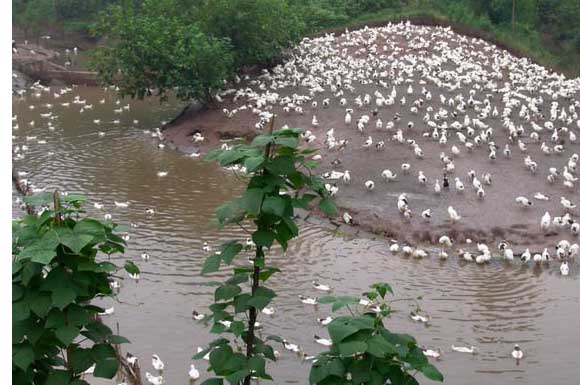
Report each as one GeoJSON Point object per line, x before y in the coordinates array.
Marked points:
{"type": "Point", "coordinates": [39, 63]}
{"type": "Point", "coordinates": [491, 219]}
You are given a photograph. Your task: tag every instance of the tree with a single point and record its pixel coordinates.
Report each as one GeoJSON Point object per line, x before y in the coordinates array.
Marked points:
{"type": "Point", "coordinates": [155, 49]}
{"type": "Point", "coordinates": [259, 30]}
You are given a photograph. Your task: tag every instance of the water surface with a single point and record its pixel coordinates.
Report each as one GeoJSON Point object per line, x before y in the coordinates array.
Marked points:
{"type": "Point", "coordinates": [491, 307]}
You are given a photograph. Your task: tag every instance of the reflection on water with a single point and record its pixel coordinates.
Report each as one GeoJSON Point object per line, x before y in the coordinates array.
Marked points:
{"type": "Point", "coordinates": [491, 307]}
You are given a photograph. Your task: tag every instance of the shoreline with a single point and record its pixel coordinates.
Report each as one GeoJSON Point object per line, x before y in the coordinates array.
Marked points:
{"type": "Point", "coordinates": [490, 220]}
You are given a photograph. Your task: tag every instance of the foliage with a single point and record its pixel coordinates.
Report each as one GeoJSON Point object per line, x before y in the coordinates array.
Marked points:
{"type": "Point", "coordinates": [364, 351]}
{"type": "Point", "coordinates": [259, 30]}
{"type": "Point", "coordinates": [35, 15]}
{"type": "Point", "coordinates": [56, 335]}
{"type": "Point", "coordinates": [280, 180]}
{"type": "Point", "coordinates": [154, 49]}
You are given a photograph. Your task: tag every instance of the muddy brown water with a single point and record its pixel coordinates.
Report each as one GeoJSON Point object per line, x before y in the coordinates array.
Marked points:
{"type": "Point", "coordinates": [491, 307]}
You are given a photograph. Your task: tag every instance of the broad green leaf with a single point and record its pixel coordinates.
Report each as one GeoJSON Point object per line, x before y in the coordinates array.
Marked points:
{"type": "Point", "coordinates": [431, 373]}
{"type": "Point", "coordinates": [274, 205]}
{"type": "Point", "coordinates": [213, 381]}
{"type": "Point", "coordinates": [76, 242]}
{"type": "Point", "coordinates": [352, 347]}
{"type": "Point", "coordinates": [219, 357]}
{"type": "Point", "coordinates": [261, 298]}
{"type": "Point", "coordinates": [252, 200]}
{"type": "Point", "coordinates": [226, 292]}
{"type": "Point", "coordinates": [66, 334]}
{"type": "Point", "coordinates": [103, 352]}
{"type": "Point", "coordinates": [343, 327]}
{"type": "Point", "coordinates": [63, 296]}
{"type": "Point", "coordinates": [286, 141]}
{"type": "Point", "coordinates": [131, 268]}
{"type": "Point", "coordinates": [211, 264]}
{"type": "Point", "coordinates": [57, 377]}
{"type": "Point", "coordinates": [237, 327]}
{"type": "Point", "coordinates": [262, 140]}
{"type": "Point", "coordinates": [378, 346]}
{"type": "Point", "coordinates": [81, 359]}
{"type": "Point", "coordinates": [236, 377]}
{"type": "Point", "coordinates": [229, 251]}
{"type": "Point", "coordinates": [20, 311]}
{"type": "Point", "coordinates": [281, 165]}
{"type": "Point", "coordinates": [117, 340]}
{"type": "Point", "coordinates": [106, 368]}
{"type": "Point", "coordinates": [22, 355]}
{"type": "Point", "coordinates": [253, 163]}
{"type": "Point", "coordinates": [263, 238]}
{"type": "Point", "coordinates": [342, 301]}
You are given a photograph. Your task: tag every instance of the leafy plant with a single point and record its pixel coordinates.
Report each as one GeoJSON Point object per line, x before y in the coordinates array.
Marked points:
{"type": "Point", "coordinates": [258, 29]}
{"type": "Point", "coordinates": [364, 351]}
{"type": "Point", "coordinates": [153, 47]}
{"type": "Point", "coordinates": [280, 180]}
{"type": "Point", "coordinates": [56, 334]}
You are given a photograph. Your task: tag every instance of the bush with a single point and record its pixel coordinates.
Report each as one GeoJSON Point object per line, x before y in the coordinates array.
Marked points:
{"type": "Point", "coordinates": [358, 7]}
{"type": "Point", "coordinates": [152, 49]}
{"type": "Point", "coordinates": [259, 30]}
{"type": "Point", "coordinates": [364, 351]}
{"type": "Point", "coordinates": [55, 276]}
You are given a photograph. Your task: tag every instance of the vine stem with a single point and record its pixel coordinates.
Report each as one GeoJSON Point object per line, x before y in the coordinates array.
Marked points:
{"type": "Point", "coordinates": [256, 279]}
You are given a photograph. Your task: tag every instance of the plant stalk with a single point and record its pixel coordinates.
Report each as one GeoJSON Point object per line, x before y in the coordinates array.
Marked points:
{"type": "Point", "coordinates": [256, 280]}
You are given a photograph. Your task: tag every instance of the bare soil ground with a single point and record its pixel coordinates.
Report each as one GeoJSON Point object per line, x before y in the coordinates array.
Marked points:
{"type": "Point", "coordinates": [491, 219]}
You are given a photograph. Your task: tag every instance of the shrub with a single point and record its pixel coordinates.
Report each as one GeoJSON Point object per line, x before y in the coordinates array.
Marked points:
{"type": "Point", "coordinates": [55, 276]}
{"type": "Point", "coordinates": [364, 351]}
{"type": "Point", "coordinates": [259, 30]}
{"type": "Point", "coordinates": [155, 50]}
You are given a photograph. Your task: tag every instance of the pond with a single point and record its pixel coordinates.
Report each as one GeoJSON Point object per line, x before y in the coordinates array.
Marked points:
{"type": "Point", "coordinates": [491, 307]}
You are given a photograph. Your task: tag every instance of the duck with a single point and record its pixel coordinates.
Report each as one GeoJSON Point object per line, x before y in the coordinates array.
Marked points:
{"type": "Point", "coordinates": [268, 310]}
{"type": "Point", "coordinates": [370, 185]}
{"type": "Point", "coordinates": [321, 287]}
{"type": "Point", "coordinates": [98, 206]}
{"type": "Point", "coordinates": [517, 353]}
{"type": "Point", "coordinates": [325, 321]}
{"type": "Point", "coordinates": [291, 347]}
{"type": "Point", "coordinates": [453, 215]}
{"type": "Point", "coordinates": [197, 316]}
{"type": "Point", "coordinates": [108, 311]}
{"type": "Point", "coordinates": [526, 256]}
{"type": "Point", "coordinates": [150, 211]}
{"type": "Point", "coordinates": [157, 363]}
{"type": "Point", "coordinates": [145, 256]}
{"type": "Point", "coordinates": [432, 353]}
{"type": "Point", "coordinates": [193, 373]}
{"type": "Point", "coordinates": [308, 300]}
{"type": "Point", "coordinates": [524, 202]}
{"type": "Point", "coordinates": [206, 247]}
{"type": "Point", "coordinates": [154, 380]}
{"type": "Point", "coordinates": [419, 318]}
{"type": "Point", "coordinates": [322, 341]}
{"type": "Point", "coordinates": [564, 268]}
{"type": "Point", "coordinates": [388, 175]}
{"type": "Point", "coordinates": [464, 349]}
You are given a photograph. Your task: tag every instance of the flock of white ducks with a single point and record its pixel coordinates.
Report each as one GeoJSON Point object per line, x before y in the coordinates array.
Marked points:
{"type": "Point", "coordinates": [448, 99]}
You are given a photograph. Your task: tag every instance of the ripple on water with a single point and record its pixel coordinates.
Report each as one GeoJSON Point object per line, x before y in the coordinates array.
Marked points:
{"type": "Point", "coordinates": [491, 307]}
